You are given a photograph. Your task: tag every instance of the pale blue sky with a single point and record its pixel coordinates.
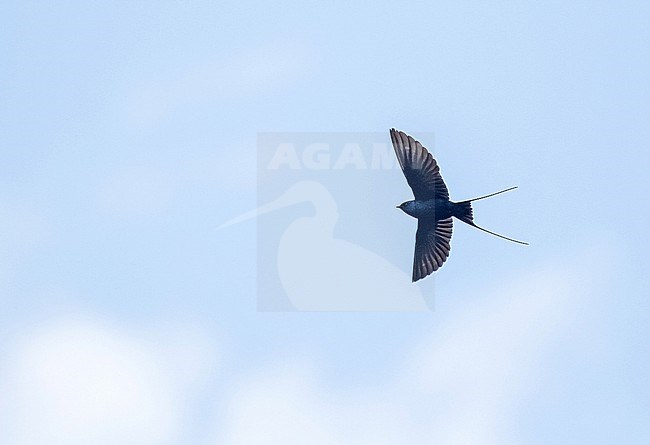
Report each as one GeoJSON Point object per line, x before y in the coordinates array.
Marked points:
{"type": "Point", "coordinates": [128, 135]}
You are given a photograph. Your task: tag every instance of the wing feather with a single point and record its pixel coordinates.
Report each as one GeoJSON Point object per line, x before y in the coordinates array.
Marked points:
{"type": "Point", "coordinates": [419, 167]}
{"type": "Point", "coordinates": [432, 246]}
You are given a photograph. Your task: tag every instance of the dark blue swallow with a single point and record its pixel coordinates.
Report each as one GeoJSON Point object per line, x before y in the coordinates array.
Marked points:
{"type": "Point", "coordinates": [431, 207]}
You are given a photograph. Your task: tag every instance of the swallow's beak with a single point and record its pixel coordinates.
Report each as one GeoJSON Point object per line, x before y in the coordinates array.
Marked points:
{"type": "Point", "coordinates": [397, 207]}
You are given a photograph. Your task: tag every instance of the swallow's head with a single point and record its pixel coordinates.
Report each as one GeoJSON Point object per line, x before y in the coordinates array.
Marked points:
{"type": "Point", "coordinates": [407, 207]}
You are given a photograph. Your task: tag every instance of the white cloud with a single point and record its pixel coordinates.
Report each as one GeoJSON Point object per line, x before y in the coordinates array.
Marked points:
{"type": "Point", "coordinates": [279, 407]}
{"type": "Point", "coordinates": [461, 386]}
{"type": "Point", "coordinates": [82, 382]}
{"type": "Point", "coordinates": [187, 353]}
{"type": "Point", "coordinates": [483, 362]}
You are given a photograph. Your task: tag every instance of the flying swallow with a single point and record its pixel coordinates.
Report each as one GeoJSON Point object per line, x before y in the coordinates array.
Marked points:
{"type": "Point", "coordinates": [431, 206]}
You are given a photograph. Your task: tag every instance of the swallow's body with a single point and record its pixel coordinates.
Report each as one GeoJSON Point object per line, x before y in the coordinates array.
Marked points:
{"type": "Point", "coordinates": [431, 206]}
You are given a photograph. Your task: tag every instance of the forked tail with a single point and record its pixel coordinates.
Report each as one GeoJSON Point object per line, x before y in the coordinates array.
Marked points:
{"type": "Point", "coordinates": [463, 211]}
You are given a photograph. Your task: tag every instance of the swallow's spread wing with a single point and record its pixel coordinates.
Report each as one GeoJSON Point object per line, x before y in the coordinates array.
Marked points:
{"type": "Point", "coordinates": [431, 246]}
{"type": "Point", "coordinates": [420, 168]}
